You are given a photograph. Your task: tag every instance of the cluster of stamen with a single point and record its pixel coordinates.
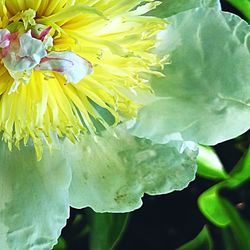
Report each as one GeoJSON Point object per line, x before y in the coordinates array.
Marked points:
{"type": "Point", "coordinates": [43, 47]}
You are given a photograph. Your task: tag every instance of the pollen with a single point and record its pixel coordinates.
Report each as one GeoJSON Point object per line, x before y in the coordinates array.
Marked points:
{"type": "Point", "coordinates": [64, 62]}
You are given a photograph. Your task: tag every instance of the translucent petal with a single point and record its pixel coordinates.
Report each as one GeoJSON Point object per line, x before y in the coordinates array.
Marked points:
{"type": "Point", "coordinates": [112, 174]}
{"type": "Point", "coordinates": [205, 94]}
{"type": "Point", "coordinates": [34, 198]}
{"type": "Point", "coordinates": [172, 7]}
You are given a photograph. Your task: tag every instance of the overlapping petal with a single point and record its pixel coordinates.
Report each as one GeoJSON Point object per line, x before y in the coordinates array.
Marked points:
{"type": "Point", "coordinates": [106, 35]}
{"type": "Point", "coordinates": [205, 93]}
{"type": "Point", "coordinates": [34, 202]}
{"type": "Point", "coordinates": [111, 171]}
{"type": "Point", "coordinates": [111, 174]}
{"type": "Point", "coordinates": [173, 7]}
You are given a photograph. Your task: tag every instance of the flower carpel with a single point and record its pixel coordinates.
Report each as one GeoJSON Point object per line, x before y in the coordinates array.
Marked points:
{"type": "Point", "coordinates": [25, 52]}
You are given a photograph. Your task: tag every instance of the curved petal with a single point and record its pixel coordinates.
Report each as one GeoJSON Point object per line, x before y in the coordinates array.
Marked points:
{"type": "Point", "coordinates": [205, 94]}
{"type": "Point", "coordinates": [172, 7]}
{"type": "Point", "coordinates": [34, 198]}
{"type": "Point", "coordinates": [111, 174]}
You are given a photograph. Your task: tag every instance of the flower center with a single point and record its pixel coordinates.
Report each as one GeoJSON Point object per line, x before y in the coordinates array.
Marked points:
{"type": "Point", "coordinates": [30, 47]}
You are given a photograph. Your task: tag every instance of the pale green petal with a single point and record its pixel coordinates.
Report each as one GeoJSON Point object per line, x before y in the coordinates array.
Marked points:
{"type": "Point", "coordinates": [111, 174]}
{"type": "Point", "coordinates": [206, 92]}
{"type": "Point", "coordinates": [172, 7]}
{"type": "Point", "coordinates": [34, 198]}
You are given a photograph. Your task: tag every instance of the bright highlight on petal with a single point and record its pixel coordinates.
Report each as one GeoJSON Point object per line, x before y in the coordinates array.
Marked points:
{"type": "Point", "coordinates": [64, 60]}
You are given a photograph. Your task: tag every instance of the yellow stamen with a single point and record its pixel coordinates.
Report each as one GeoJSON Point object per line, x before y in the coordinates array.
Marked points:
{"type": "Point", "coordinates": [112, 35]}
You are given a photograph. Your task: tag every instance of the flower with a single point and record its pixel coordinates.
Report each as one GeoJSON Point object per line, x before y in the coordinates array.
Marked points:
{"type": "Point", "coordinates": [62, 60]}
{"type": "Point", "coordinates": [68, 69]}
{"type": "Point", "coordinates": [73, 75]}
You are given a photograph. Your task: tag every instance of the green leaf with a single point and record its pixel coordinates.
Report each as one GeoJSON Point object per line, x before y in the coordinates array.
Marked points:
{"type": "Point", "coordinates": [61, 245]}
{"type": "Point", "coordinates": [210, 205]}
{"type": "Point", "coordinates": [172, 7]}
{"type": "Point", "coordinates": [241, 172]}
{"type": "Point", "coordinates": [239, 227]}
{"type": "Point", "coordinates": [243, 6]}
{"type": "Point", "coordinates": [34, 198]}
{"type": "Point", "coordinates": [205, 93]}
{"type": "Point", "coordinates": [229, 242]}
{"type": "Point", "coordinates": [106, 230]}
{"type": "Point", "coordinates": [202, 242]}
{"type": "Point", "coordinates": [209, 164]}
{"type": "Point", "coordinates": [112, 174]}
